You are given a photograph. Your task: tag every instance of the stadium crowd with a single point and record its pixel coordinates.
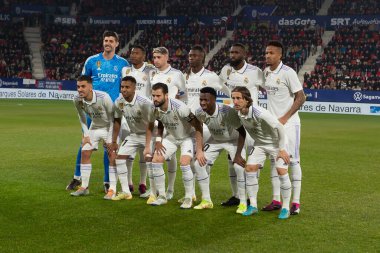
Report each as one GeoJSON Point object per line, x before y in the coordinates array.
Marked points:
{"type": "Point", "coordinates": [350, 61]}
{"type": "Point", "coordinates": [15, 58]}
{"type": "Point", "coordinates": [201, 8]}
{"type": "Point", "coordinates": [289, 8]}
{"type": "Point", "coordinates": [354, 7]}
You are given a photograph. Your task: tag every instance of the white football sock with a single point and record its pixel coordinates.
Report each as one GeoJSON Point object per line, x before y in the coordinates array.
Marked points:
{"type": "Point", "coordinates": [152, 186]}
{"type": "Point", "coordinates": [233, 178]}
{"type": "Point", "coordinates": [172, 172]}
{"type": "Point", "coordinates": [286, 190]}
{"type": "Point", "coordinates": [252, 185]}
{"type": "Point", "coordinates": [188, 178]}
{"type": "Point", "coordinates": [143, 172]}
{"type": "Point", "coordinates": [122, 172]}
{"type": "Point", "coordinates": [159, 177]}
{"type": "Point", "coordinates": [85, 171]}
{"type": "Point", "coordinates": [240, 176]}
{"type": "Point", "coordinates": [130, 170]}
{"type": "Point", "coordinates": [275, 181]}
{"type": "Point", "coordinates": [112, 177]}
{"type": "Point", "coordinates": [296, 181]}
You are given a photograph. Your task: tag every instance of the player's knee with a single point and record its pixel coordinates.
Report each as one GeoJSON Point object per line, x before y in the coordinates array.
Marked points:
{"type": "Point", "coordinates": [185, 160]}
{"type": "Point", "coordinates": [86, 154]}
{"type": "Point", "coordinates": [252, 167]}
{"type": "Point", "coordinates": [282, 171]}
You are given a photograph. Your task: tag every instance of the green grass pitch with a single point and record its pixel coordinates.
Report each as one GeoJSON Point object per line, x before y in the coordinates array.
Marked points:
{"type": "Point", "coordinates": [39, 140]}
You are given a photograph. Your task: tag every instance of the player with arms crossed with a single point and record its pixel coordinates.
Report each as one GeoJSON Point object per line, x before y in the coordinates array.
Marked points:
{"type": "Point", "coordinates": [285, 97]}
{"type": "Point", "coordinates": [178, 121]}
{"type": "Point", "coordinates": [270, 139]}
{"type": "Point", "coordinates": [222, 122]}
{"type": "Point", "coordinates": [175, 81]}
{"type": "Point", "coordinates": [99, 107]}
{"type": "Point", "coordinates": [139, 113]}
{"type": "Point", "coordinates": [105, 70]}
{"type": "Point", "coordinates": [239, 73]}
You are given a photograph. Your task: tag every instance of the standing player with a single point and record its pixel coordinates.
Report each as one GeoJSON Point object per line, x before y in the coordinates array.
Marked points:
{"type": "Point", "coordinates": [221, 120]}
{"type": "Point", "coordinates": [99, 107]}
{"type": "Point", "coordinates": [140, 70]}
{"type": "Point", "coordinates": [178, 121]}
{"type": "Point", "coordinates": [285, 98]}
{"type": "Point", "coordinates": [138, 111]}
{"type": "Point", "coordinates": [270, 139]}
{"type": "Point", "coordinates": [175, 81]}
{"type": "Point", "coordinates": [105, 70]}
{"type": "Point", "coordinates": [239, 73]}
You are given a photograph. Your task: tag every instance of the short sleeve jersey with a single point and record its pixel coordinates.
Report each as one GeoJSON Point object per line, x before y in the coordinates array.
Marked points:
{"type": "Point", "coordinates": [141, 75]}
{"type": "Point", "coordinates": [106, 74]}
{"type": "Point", "coordinates": [281, 84]}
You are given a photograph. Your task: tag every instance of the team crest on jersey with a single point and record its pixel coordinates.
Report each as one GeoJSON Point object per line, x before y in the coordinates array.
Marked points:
{"type": "Point", "coordinates": [222, 124]}
{"type": "Point", "coordinates": [169, 80]}
{"type": "Point", "coordinates": [246, 80]}
{"type": "Point", "coordinates": [145, 78]}
{"type": "Point", "coordinates": [266, 74]}
{"type": "Point", "coordinates": [121, 106]}
{"type": "Point", "coordinates": [81, 104]}
{"type": "Point", "coordinates": [278, 81]}
{"type": "Point", "coordinates": [175, 117]}
{"type": "Point", "coordinates": [127, 71]}
{"type": "Point", "coordinates": [204, 83]}
{"type": "Point", "coordinates": [100, 108]}
{"type": "Point", "coordinates": [138, 113]}
{"type": "Point", "coordinates": [115, 68]}
{"type": "Point", "coordinates": [153, 74]}
{"type": "Point", "coordinates": [98, 64]}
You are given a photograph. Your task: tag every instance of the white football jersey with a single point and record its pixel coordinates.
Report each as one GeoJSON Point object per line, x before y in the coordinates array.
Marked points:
{"type": "Point", "coordinates": [248, 76]}
{"type": "Point", "coordinates": [281, 84]}
{"type": "Point", "coordinates": [141, 75]}
{"type": "Point", "coordinates": [99, 109]}
{"type": "Point", "coordinates": [196, 81]}
{"type": "Point", "coordinates": [138, 113]}
{"type": "Point", "coordinates": [222, 124]}
{"type": "Point", "coordinates": [263, 127]}
{"type": "Point", "coordinates": [176, 120]}
{"type": "Point", "coordinates": [174, 79]}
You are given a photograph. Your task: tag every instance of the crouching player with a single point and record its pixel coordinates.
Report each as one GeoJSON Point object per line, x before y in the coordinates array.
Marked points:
{"type": "Point", "coordinates": [178, 120]}
{"type": "Point", "coordinates": [139, 114]}
{"type": "Point", "coordinates": [270, 139]}
{"type": "Point", "coordinates": [222, 122]}
{"type": "Point", "coordinates": [99, 107]}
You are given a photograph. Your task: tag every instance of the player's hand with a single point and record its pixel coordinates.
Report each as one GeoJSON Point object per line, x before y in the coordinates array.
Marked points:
{"type": "Point", "coordinates": [86, 140]}
{"type": "Point", "coordinates": [200, 156]}
{"type": "Point", "coordinates": [112, 148]}
{"type": "Point", "coordinates": [239, 160]}
{"type": "Point", "coordinates": [147, 154]}
{"type": "Point", "coordinates": [283, 120]}
{"type": "Point", "coordinates": [284, 156]}
{"type": "Point", "coordinates": [159, 148]}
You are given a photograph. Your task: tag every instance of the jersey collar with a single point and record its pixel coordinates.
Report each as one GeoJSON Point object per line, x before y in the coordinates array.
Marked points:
{"type": "Point", "coordinates": [216, 112]}
{"type": "Point", "coordinates": [242, 70]}
{"type": "Point", "coordinates": [169, 107]}
{"type": "Point", "coordinates": [250, 112]}
{"type": "Point", "coordinates": [132, 102]}
{"type": "Point", "coordinates": [93, 101]}
{"type": "Point", "coordinates": [277, 69]}
{"type": "Point", "coordinates": [165, 71]}
{"type": "Point", "coordinates": [199, 73]}
{"type": "Point", "coordinates": [140, 69]}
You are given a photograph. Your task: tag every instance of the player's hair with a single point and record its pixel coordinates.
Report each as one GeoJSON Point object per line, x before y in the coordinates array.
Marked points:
{"type": "Point", "coordinates": [200, 49]}
{"type": "Point", "coordinates": [161, 50]}
{"type": "Point", "coordinates": [276, 43]}
{"type": "Point", "coordinates": [85, 78]}
{"type": "Point", "coordinates": [241, 45]}
{"type": "Point", "coordinates": [140, 47]}
{"type": "Point", "coordinates": [209, 90]}
{"type": "Point", "coordinates": [161, 86]}
{"type": "Point", "coordinates": [130, 79]}
{"type": "Point", "coordinates": [245, 93]}
{"type": "Point", "coordinates": [111, 34]}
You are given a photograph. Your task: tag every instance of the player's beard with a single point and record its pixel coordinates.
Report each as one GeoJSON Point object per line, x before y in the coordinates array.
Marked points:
{"type": "Point", "coordinates": [159, 103]}
{"type": "Point", "coordinates": [235, 63]}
